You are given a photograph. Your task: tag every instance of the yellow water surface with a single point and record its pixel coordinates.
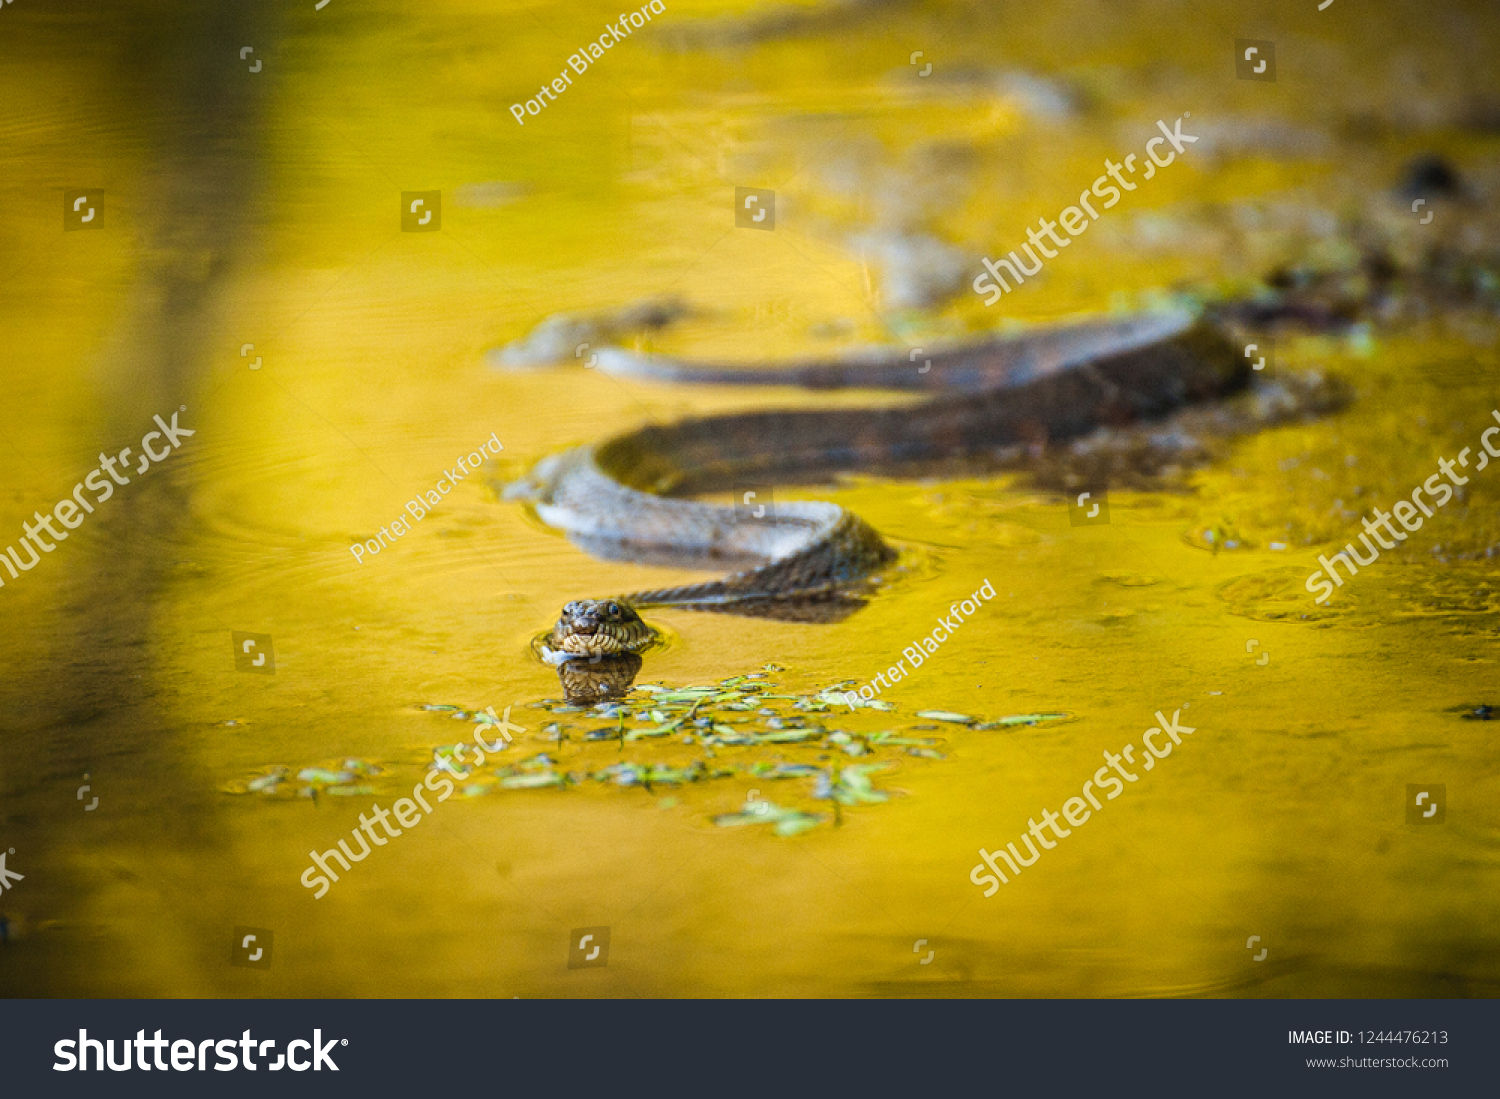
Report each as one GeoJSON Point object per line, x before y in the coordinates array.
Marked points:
{"type": "Point", "coordinates": [263, 208]}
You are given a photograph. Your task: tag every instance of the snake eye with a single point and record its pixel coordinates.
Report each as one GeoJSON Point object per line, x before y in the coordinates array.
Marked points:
{"type": "Point", "coordinates": [614, 609]}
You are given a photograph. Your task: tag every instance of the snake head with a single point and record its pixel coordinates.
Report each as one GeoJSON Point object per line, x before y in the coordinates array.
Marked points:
{"type": "Point", "coordinates": [600, 627]}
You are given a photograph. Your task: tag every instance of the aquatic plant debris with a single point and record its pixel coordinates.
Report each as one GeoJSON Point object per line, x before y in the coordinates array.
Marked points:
{"type": "Point", "coordinates": [852, 786]}
{"type": "Point", "coordinates": [1022, 719]}
{"type": "Point", "coordinates": [746, 727]}
{"type": "Point", "coordinates": [345, 778]}
{"type": "Point", "coordinates": [946, 715]}
{"type": "Point", "coordinates": [788, 822]}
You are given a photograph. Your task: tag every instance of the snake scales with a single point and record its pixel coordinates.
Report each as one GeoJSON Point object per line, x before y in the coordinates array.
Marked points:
{"type": "Point", "coordinates": [810, 561]}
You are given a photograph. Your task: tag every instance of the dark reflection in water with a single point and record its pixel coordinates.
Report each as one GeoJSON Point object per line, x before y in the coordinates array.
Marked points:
{"type": "Point", "coordinates": [156, 88]}
{"type": "Point", "coordinates": [600, 679]}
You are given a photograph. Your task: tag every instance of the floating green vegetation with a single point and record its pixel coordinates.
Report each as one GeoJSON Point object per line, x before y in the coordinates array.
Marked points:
{"type": "Point", "coordinates": [788, 822]}
{"type": "Point", "coordinates": [343, 779]}
{"type": "Point", "coordinates": [946, 715]}
{"type": "Point", "coordinates": [694, 735]}
{"type": "Point", "coordinates": [852, 785]}
{"type": "Point", "coordinates": [1021, 719]}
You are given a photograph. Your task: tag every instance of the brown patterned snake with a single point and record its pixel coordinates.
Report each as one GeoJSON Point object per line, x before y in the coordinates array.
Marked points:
{"type": "Point", "coordinates": [810, 561]}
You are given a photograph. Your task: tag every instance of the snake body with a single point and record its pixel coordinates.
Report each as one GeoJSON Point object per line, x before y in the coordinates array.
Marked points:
{"type": "Point", "coordinates": [811, 560]}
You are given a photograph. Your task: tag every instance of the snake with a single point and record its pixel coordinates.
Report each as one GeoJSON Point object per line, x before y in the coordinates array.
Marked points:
{"type": "Point", "coordinates": [596, 628]}
{"type": "Point", "coordinates": [813, 561]}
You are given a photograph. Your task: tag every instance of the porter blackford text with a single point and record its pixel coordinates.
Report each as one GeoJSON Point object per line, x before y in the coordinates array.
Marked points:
{"type": "Point", "coordinates": [67, 510]}
{"type": "Point", "coordinates": [1157, 741]}
{"type": "Point", "coordinates": [433, 497]}
{"type": "Point", "coordinates": [922, 648]}
{"type": "Point", "coordinates": [585, 57]}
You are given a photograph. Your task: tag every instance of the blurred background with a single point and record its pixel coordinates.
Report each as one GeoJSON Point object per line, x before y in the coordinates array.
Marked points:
{"type": "Point", "coordinates": [246, 165]}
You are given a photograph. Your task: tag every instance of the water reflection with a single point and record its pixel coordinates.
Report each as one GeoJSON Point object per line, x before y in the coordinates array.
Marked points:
{"type": "Point", "coordinates": [598, 679]}
{"type": "Point", "coordinates": [1287, 822]}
